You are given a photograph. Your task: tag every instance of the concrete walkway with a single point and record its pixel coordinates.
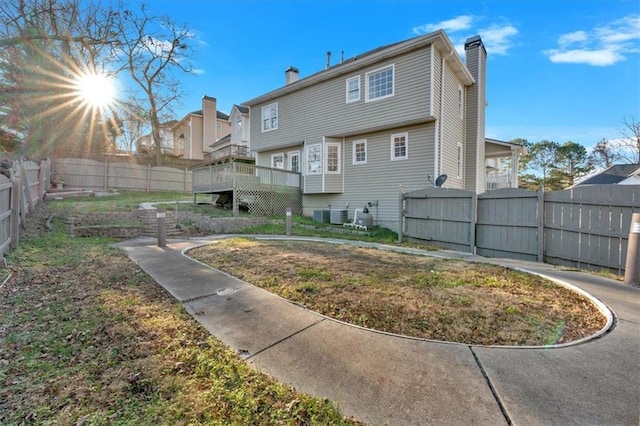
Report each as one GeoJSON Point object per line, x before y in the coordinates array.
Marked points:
{"type": "Point", "coordinates": [385, 379]}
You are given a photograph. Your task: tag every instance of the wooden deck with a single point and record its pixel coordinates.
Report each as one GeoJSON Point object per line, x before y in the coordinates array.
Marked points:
{"type": "Point", "coordinates": [261, 189]}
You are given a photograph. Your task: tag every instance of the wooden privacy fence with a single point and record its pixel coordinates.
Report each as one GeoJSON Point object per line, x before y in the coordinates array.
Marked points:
{"type": "Point", "coordinates": [585, 227]}
{"type": "Point", "coordinates": [95, 175]}
{"type": "Point", "coordinates": [22, 186]}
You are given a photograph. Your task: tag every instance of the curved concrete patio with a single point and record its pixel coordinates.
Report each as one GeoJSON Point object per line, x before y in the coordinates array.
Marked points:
{"type": "Point", "coordinates": [385, 379]}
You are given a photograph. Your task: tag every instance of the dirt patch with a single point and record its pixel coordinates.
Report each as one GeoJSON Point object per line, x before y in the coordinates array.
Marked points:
{"type": "Point", "coordinates": [448, 300]}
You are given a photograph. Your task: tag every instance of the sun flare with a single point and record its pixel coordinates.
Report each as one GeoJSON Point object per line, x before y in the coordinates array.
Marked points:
{"type": "Point", "coordinates": [96, 90]}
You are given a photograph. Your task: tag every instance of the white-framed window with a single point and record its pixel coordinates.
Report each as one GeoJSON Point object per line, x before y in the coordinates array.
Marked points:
{"type": "Point", "coordinates": [277, 160]}
{"type": "Point", "coordinates": [239, 124]}
{"type": "Point", "coordinates": [379, 83]}
{"type": "Point", "coordinates": [293, 158]}
{"type": "Point", "coordinates": [460, 160]}
{"type": "Point", "coordinates": [360, 152]}
{"type": "Point", "coordinates": [314, 159]}
{"type": "Point", "coordinates": [399, 146]}
{"type": "Point", "coordinates": [460, 102]}
{"type": "Point", "coordinates": [218, 128]}
{"type": "Point", "coordinates": [270, 117]}
{"type": "Point", "coordinates": [333, 158]}
{"type": "Point", "coordinates": [353, 89]}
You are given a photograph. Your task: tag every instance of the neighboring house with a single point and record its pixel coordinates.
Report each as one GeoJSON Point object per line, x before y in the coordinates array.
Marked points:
{"type": "Point", "coordinates": [620, 174]}
{"type": "Point", "coordinates": [197, 131]}
{"type": "Point", "coordinates": [145, 142]}
{"type": "Point", "coordinates": [397, 116]}
{"type": "Point", "coordinates": [234, 146]}
{"type": "Point", "coordinates": [501, 162]}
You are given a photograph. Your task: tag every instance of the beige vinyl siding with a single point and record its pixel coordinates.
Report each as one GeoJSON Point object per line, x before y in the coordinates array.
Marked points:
{"type": "Point", "coordinates": [322, 110]}
{"type": "Point", "coordinates": [453, 131]}
{"type": "Point", "coordinates": [380, 178]}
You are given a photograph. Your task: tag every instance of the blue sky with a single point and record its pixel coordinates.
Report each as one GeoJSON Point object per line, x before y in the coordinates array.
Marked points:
{"type": "Point", "coordinates": [557, 70]}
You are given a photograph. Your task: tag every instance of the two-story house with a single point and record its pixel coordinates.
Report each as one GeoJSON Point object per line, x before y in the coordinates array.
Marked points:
{"type": "Point", "coordinates": [397, 116]}
{"type": "Point", "coordinates": [196, 132]}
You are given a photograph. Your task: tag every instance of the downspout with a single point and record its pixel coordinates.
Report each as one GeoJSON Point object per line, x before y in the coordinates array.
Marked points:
{"type": "Point", "coordinates": [190, 139]}
{"type": "Point", "coordinates": [440, 128]}
{"type": "Point", "coordinates": [343, 149]}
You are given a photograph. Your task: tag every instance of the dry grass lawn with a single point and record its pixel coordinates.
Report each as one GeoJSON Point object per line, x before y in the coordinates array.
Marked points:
{"type": "Point", "coordinates": [448, 300]}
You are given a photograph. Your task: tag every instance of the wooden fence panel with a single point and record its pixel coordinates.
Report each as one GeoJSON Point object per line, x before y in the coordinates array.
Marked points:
{"type": "Point", "coordinates": [95, 175]}
{"type": "Point", "coordinates": [80, 173]}
{"type": "Point", "coordinates": [5, 213]}
{"type": "Point", "coordinates": [508, 224]}
{"type": "Point", "coordinates": [588, 227]}
{"type": "Point", "coordinates": [443, 217]}
{"type": "Point", "coordinates": [169, 179]}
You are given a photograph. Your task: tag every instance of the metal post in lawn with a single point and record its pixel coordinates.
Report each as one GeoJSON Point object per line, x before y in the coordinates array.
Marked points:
{"type": "Point", "coordinates": [162, 229]}
{"type": "Point", "coordinates": [288, 221]}
{"type": "Point", "coordinates": [632, 267]}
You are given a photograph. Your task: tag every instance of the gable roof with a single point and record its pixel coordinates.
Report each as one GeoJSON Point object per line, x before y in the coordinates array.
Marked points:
{"type": "Point", "coordinates": [241, 109]}
{"type": "Point", "coordinates": [612, 175]}
{"type": "Point", "coordinates": [437, 38]}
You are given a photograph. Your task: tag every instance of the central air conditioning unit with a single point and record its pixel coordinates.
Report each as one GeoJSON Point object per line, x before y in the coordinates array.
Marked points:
{"type": "Point", "coordinates": [339, 217]}
{"type": "Point", "coordinates": [322, 216]}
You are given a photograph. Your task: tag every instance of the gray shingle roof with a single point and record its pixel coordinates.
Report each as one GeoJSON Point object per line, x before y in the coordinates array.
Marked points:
{"type": "Point", "coordinates": [614, 174]}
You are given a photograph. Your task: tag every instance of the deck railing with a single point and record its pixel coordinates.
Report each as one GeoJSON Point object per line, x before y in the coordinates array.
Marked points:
{"type": "Point", "coordinates": [262, 190]}
{"type": "Point", "coordinates": [231, 151]}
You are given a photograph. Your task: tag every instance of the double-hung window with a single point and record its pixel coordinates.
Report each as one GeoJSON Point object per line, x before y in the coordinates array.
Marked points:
{"type": "Point", "coordinates": [399, 146]}
{"type": "Point", "coordinates": [379, 83]}
{"type": "Point", "coordinates": [460, 102]}
{"type": "Point", "coordinates": [333, 157]}
{"type": "Point", "coordinates": [270, 117]}
{"type": "Point", "coordinates": [353, 89]}
{"type": "Point", "coordinates": [360, 152]}
{"type": "Point", "coordinates": [314, 159]}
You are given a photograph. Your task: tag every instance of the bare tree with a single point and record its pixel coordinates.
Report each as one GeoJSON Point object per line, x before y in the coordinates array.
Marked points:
{"type": "Point", "coordinates": [156, 51]}
{"type": "Point", "coordinates": [622, 150]}
{"type": "Point", "coordinates": [46, 45]}
{"type": "Point", "coordinates": [630, 144]}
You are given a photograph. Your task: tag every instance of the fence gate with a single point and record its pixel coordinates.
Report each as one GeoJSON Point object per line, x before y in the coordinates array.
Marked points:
{"type": "Point", "coordinates": [509, 224]}
{"type": "Point", "coordinates": [443, 217]}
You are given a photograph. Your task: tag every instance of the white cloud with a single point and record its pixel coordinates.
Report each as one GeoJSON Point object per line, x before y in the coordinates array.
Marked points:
{"type": "Point", "coordinates": [198, 71]}
{"type": "Point", "coordinates": [571, 38]}
{"type": "Point", "coordinates": [603, 46]}
{"type": "Point", "coordinates": [459, 23]}
{"type": "Point", "coordinates": [600, 58]}
{"type": "Point", "coordinates": [497, 39]}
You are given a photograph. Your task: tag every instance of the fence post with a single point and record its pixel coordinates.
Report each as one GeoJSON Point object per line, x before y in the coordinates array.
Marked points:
{"type": "Point", "coordinates": [632, 267]}
{"type": "Point", "coordinates": [26, 186]}
{"type": "Point", "coordinates": [106, 175]}
{"type": "Point", "coordinates": [15, 212]}
{"type": "Point", "coordinates": [473, 216]}
{"type": "Point", "coordinates": [400, 214]}
{"type": "Point", "coordinates": [540, 224]}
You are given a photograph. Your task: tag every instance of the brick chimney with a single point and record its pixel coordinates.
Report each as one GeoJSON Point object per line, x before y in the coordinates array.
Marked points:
{"type": "Point", "coordinates": [291, 75]}
{"type": "Point", "coordinates": [475, 104]}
